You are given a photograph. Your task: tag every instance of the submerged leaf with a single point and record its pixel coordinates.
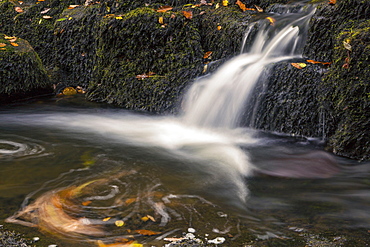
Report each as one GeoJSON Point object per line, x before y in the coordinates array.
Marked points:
{"type": "Point", "coordinates": [147, 232]}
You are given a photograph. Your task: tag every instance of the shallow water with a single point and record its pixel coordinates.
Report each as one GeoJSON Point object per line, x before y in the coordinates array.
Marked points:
{"type": "Point", "coordinates": [76, 170]}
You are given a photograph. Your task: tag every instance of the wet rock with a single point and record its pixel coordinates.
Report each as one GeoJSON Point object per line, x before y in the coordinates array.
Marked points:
{"type": "Point", "coordinates": [22, 74]}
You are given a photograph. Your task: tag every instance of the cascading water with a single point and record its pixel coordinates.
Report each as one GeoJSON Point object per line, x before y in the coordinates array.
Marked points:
{"type": "Point", "coordinates": [219, 99]}
{"type": "Point", "coordinates": [88, 203]}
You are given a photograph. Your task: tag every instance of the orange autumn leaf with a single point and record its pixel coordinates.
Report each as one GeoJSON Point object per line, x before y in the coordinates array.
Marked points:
{"type": "Point", "coordinates": [130, 200]}
{"type": "Point", "coordinates": [2, 44]}
{"type": "Point", "coordinates": [164, 8]}
{"type": "Point", "coordinates": [298, 65]}
{"type": "Point", "coordinates": [259, 9]}
{"type": "Point", "coordinates": [316, 62]}
{"type": "Point", "coordinates": [86, 203]}
{"type": "Point", "coordinates": [188, 14]}
{"type": "Point", "coordinates": [241, 5]}
{"type": "Point", "coordinates": [332, 2]}
{"type": "Point", "coordinates": [18, 9]}
{"type": "Point", "coordinates": [14, 44]}
{"type": "Point", "coordinates": [147, 232]}
{"type": "Point", "coordinates": [219, 28]}
{"type": "Point", "coordinates": [207, 54]}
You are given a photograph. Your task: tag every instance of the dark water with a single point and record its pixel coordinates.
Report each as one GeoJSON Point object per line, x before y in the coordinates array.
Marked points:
{"type": "Point", "coordinates": [86, 174]}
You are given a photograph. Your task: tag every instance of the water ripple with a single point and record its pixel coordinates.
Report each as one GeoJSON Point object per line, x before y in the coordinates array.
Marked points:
{"type": "Point", "coordinates": [19, 147]}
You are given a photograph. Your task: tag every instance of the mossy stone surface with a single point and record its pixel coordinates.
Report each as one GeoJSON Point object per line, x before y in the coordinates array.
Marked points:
{"type": "Point", "coordinates": [21, 71]}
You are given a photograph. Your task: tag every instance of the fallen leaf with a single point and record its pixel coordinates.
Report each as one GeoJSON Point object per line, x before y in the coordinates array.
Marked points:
{"type": "Point", "coordinates": [160, 20]}
{"type": "Point", "coordinates": [145, 75]}
{"type": "Point", "coordinates": [347, 46]}
{"type": "Point", "coordinates": [271, 20]}
{"type": "Point", "coordinates": [219, 28]}
{"type": "Point", "coordinates": [9, 37]}
{"type": "Point", "coordinates": [147, 232]}
{"type": "Point", "coordinates": [86, 203]}
{"type": "Point", "coordinates": [299, 65]}
{"type": "Point", "coordinates": [241, 5]}
{"type": "Point", "coordinates": [45, 11]}
{"type": "Point", "coordinates": [130, 200]}
{"type": "Point", "coordinates": [62, 19]}
{"type": "Point", "coordinates": [207, 54]}
{"type": "Point", "coordinates": [2, 44]}
{"type": "Point", "coordinates": [332, 2]}
{"type": "Point", "coordinates": [119, 223]}
{"type": "Point", "coordinates": [47, 17]}
{"type": "Point", "coordinates": [72, 6]}
{"type": "Point", "coordinates": [164, 8]}
{"type": "Point", "coordinates": [346, 66]}
{"type": "Point", "coordinates": [3, 49]}
{"type": "Point", "coordinates": [217, 5]}
{"type": "Point", "coordinates": [69, 91]}
{"type": "Point", "coordinates": [188, 14]}
{"type": "Point", "coordinates": [316, 62]}
{"type": "Point", "coordinates": [14, 44]}
{"type": "Point", "coordinates": [18, 9]}
{"type": "Point", "coordinates": [119, 17]}
{"type": "Point", "coordinates": [225, 2]}
{"type": "Point", "coordinates": [106, 219]}
{"type": "Point", "coordinates": [259, 9]}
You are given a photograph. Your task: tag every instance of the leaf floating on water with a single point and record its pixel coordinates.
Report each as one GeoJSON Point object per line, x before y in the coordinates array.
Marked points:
{"type": "Point", "coordinates": [119, 223]}
{"type": "Point", "coordinates": [148, 217]}
{"type": "Point", "coordinates": [299, 65]}
{"type": "Point", "coordinates": [347, 46]}
{"type": "Point", "coordinates": [69, 91]}
{"type": "Point", "coordinates": [271, 20]}
{"type": "Point", "coordinates": [188, 14]}
{"type": "Point", "coordinates": [164, 8]}
{"type": "Point", "coordinates": [147, 232]}
{"type": "Point", "coordinates": [86, 203]}
{"type": "Point", "coordinates": [259, 9]}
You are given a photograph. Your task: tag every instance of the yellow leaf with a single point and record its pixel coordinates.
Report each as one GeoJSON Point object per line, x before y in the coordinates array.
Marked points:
{"type": "Point", "coordinates": [69, 91]}
{"type": "Point", "coordinates": [119, 223]}
{"type": "Point", "coordinates": [47, 17]}
{"type": "Point", "coordinates": [299, 65]}
{"type": "Point", "coordinates": [119, 17]}
{"type": "Point", "coordinates": [14, 44]}
{"type": "Point", "coordinates": [106, 219]}
{"type": "Point", "coordinates": [225, 2]}
{"type": "Point", "coordinates": [2, 44]}
{"type": "Point", "coordinates": [9, 37]}
{"type": "Point", "coordinates": [271, 20]}
{"type": "Point", "coordinates": [130, 200]}
{"type": "Point", "coordinates": [160, 20]}
{"type": "Point", "coordinates": [217, 6]}
{"type": "Point", "coordinates": [145, 219]}
{"type": "Point", "coordinates": [259, 9]}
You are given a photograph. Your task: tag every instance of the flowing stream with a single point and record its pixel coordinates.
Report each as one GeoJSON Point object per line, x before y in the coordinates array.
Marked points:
{"type": "Point", "coordinates": [92, 175]}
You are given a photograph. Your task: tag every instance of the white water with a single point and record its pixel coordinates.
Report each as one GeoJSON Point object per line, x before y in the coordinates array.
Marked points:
{"type": "Point", "coordinates": [217, 101]}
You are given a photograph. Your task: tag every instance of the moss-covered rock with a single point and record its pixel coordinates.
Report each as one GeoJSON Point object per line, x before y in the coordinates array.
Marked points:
{"type": "Point", "coordinates": [21, 71]}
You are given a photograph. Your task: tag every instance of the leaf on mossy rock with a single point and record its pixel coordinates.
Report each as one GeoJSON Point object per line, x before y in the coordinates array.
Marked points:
{"type": "Point", "coordinates": [19, 9]}
{"type": "Point", "coordinates": [164, 8]}
{"type": "Point", "coordinates": [317, 62]}
{"type": "Point", "coordinates": [2, 45]}
{"type": "Point", "coordinates": [332, 2]}
{"type": "Point", "coordinates": [299, 65]}
{"type": "Point", "coordinates": [14, 44]}
{"type": "Point", "coordinates": [188, 14]}
{"type": "Point", "coordinates": [69, 91]}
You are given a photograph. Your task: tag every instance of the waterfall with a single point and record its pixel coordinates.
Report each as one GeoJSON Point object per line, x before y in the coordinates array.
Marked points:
{"type": "Point", "coordinates": [218, 100]}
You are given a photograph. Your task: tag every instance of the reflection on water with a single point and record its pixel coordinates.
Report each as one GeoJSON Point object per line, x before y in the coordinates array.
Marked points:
{"type": "Point", "coordinates": [110, 177]}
